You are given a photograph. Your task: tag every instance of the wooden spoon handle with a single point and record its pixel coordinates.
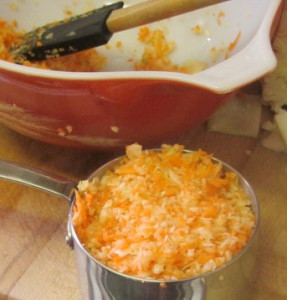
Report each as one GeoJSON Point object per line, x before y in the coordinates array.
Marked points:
{"type": "Point", "coordinates": [151, 11]}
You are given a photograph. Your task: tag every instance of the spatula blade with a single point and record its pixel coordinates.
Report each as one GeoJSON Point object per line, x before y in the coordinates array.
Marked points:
{"type": "Point", "coordinates": [69, 36]}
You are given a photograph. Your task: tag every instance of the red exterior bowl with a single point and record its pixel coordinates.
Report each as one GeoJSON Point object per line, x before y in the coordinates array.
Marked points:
{"type": "Point", "coordinates": [112, 108]}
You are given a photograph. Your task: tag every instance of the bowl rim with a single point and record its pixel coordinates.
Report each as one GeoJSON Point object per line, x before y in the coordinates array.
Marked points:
{"type": "Point", "coordinates": [250, 64]}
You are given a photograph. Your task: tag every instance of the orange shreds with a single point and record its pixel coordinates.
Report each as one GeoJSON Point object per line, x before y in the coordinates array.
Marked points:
{"type": "Point", "coordinates": [157, 51]}
{"type": "Point", "coordinates": [69, 12]}
{"type": "Point", "coordinates": [85, 61]}
{"type": "Point", "coordinates": [197, 29]}
{"type": "Point", "coordinates": [156, 55]}
{"type": "Point", "coordinates": [165, 215]}
{"type": "Point", "coordinates": [233, 44]}
{"type": "Point", "coordinates": [220, 15]}
{"type": "Point", "coordinates": [119, 44]}
{"type": "Point", "coordinates": [8, 38]}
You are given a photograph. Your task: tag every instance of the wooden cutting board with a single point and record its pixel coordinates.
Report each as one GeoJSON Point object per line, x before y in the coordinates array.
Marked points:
{"type": "Point", "coordinates": [35, 262]}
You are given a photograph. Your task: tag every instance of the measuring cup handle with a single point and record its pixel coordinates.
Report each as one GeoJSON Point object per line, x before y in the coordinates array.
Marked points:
{"type": "Point", "coordinates": [42, 180]}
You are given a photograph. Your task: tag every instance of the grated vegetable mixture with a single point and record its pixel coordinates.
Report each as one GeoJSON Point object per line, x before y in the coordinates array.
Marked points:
{"type": "Point", "coordinates": [156, 55]}
{"type": "Point", "coordinates": [164, 215]}
{"type": "Point", "coordinates": [85, 61]}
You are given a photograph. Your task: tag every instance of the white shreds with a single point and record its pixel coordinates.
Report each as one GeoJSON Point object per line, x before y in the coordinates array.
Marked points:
{"type": "Point", "coordinates": [163, 221]}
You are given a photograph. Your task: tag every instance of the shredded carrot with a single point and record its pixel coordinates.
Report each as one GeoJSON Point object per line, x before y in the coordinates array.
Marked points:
{"type": "Point", "coordinates": [85, 61]}
{"type": "Point", "coordinates": [157, 54]}
{"type": "Point", "coordinates": [233, 44]}
{"type": "Point", "coordinates": [119, 44]}
{"type": "Point", "coordinates": [166, 214]}
{"type": "Point", "coordinates": [220, 15]}
{"type": "Point", "coordinates": [197, 29]}
{"type": "Point", "coordinates": [8, 38]}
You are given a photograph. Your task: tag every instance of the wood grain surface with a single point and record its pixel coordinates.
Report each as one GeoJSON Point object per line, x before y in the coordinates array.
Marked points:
{"type": "Point", "coordinates": [35, 262]}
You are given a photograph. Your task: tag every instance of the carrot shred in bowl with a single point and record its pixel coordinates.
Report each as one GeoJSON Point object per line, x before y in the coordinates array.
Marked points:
{"type": "Point", "coordinates": [158, 51]}
{"type": "Point", "coordinates": [164, 215]}
{"type": "Point", "coordinates": [156, 56]}
{"type": "Point", "coordinates": [85, 61]}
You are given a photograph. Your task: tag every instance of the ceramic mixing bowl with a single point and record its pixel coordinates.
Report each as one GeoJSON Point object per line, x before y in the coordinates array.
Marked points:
{"type": "Point", "coordinates": [118, 105]}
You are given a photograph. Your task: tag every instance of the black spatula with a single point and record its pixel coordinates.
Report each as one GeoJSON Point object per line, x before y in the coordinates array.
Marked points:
{"type": "Point", "coordinates": [96, 27]}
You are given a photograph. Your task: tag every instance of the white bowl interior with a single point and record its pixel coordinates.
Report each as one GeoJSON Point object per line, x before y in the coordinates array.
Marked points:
{"type": "Point", "coordinates": [251, 58]}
